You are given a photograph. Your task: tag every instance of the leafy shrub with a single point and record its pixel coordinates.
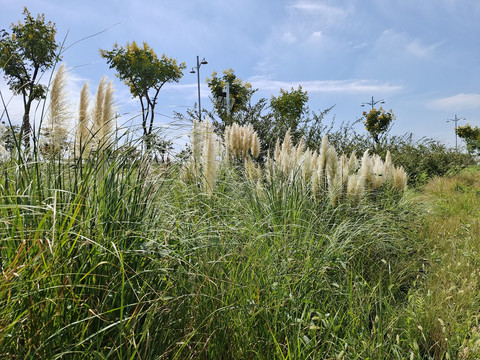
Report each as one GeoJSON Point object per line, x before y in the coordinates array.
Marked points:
{"type": "Point", "coordinates": [422, 159]}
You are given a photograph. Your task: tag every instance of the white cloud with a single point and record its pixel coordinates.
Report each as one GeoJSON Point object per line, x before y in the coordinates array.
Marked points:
{"type": "Point", "coordinates": [396, 44]}
{"type": "Point", "coordinates": [456, 102]}
{"type": "Point", "coordinates": [330, 13]}
{"type": "Point", "coordinates": [352, 86]}
{"type": "Point", "coordinates": [288, 37]}
{"type": "Point", "coordinates": [420, 50]}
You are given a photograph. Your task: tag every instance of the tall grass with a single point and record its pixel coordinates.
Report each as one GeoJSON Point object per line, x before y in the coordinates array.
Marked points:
{"type": "Point", "coordinates": [113, 257]}
{"type": "Point", "coordinates": [109, 256]}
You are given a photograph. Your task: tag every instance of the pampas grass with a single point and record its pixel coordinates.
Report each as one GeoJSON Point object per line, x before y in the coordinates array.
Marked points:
{"type": "Point", "coordinates": [210, 165]}
{"type": "Point", "coordinates": [108, 116]}
{"type": "Point", "coordinates": [83, 127]}
{"type": "Point", "coordinates": [56, 128]}
{"type": "Point", "coordinates": [321, 174]}
{"type": "Point", "coordinates": [97, 117]}
{"type": "Point", "coordinates": [241, 142]}
{"type": "Point", "coordinates": [203, 165]}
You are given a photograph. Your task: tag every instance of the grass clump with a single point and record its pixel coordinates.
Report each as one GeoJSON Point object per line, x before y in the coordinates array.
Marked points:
{"type": "Point", "coordinates": [111, 256]}
{"type": "Point", "coordinates": [311, 255]}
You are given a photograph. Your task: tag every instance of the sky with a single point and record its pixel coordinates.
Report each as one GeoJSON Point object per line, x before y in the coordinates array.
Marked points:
{"type": "Point", "coordinates": [421, 57]}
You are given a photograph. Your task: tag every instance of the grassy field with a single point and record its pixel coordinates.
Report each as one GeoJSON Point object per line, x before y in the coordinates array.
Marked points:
{"type": "Point", "coordinates": [115, 257]}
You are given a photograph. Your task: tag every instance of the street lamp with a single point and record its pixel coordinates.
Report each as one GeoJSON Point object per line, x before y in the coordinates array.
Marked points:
{"type": "Point", "coordinates": [372, 103]}
{"type": "Point", "coordinates": [199, 63]}
{"type": "Point", "coordinates": [456, 120]}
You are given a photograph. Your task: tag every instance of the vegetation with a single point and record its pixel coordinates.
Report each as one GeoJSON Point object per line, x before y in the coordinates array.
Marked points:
{"type": "Point", "coordinates": [239, 93]}
{"type": "Point", "coordinates": [25, 54]}
{"type": "Point", "coordinates": [377, 122]}
{"type": "Point", "coordinates": [322, 249]}
{"type": "Point", "coordinates": [471, 135]}
{"type": "Point", "coordinates": [120, 258]}
{"type": "Point", "coordinates": [145, 74]}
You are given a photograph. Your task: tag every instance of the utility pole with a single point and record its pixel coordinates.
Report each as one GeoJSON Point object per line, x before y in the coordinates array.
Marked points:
{"type": "Point", "coordinates": [456, 120]}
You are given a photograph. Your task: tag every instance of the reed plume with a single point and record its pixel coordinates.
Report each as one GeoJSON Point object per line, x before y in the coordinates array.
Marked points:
{"type": "Point", "coordinates": [239, 140]}
{"type": "Point", "coordinates": [210, 151]}
{"type": "Point", "coordinates": [378, 172]}
{"type": "Point", "coordinates": [352, 163]}
{"type": "Point", "coordinates": [56, 129]}
{"type": "Point", "coordinates": [83, 126]}
{"type": "Point", "coordinates": [366, 169]}
{"type": "Point", "coordinates": [108, 116]}
{"type": "Point", "coordinates": [399, 179]}
{"type": "Point", "coordinates": [97, 120]}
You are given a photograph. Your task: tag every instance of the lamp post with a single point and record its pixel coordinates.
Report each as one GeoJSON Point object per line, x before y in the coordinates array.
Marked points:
{"type": "Point", "coordinates": [372, 103]}
{"type": "Point", "coordinates": [199, 63]}
{"type": "Point", "coordinates": [455, 120]}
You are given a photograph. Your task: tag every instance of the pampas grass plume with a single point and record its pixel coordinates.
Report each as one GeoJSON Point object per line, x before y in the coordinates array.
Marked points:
{"type": "Point", "coordinates": [98, 110]}
{"type": "Point", "coordinates": [209, 157]}
{"type": "Point", "coordinates": [108, 115]}
{"type": "Point", "coordinates": [83, 127]}
{"type": "Point", "coordinates": [56, 129]}
{"type": "Point", "coordinates": [399, 179]}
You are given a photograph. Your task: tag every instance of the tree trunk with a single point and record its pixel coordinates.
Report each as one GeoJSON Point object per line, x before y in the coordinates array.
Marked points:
{"type": "Point", "coordinates": [26, 128]}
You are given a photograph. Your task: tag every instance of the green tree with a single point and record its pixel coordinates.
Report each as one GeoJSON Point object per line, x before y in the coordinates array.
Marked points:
{"type": "Point", "coordinates": [145, 74]}
{"type": "Point", "coordinates": [270, 119]}
{"type": "Point", "coordinates": [289, 111]}
{"type": "Point", "coordinates": [240, 94]}
{"type": "Point", "coordinates": [377, 122]}
{"type": "Point", "coordinates": [25, 54]}
{"type": "Point", "coordinates": [471, 135]}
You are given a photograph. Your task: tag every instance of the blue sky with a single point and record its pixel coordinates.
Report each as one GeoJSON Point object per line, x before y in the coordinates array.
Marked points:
{"type": "Point", "coordinates": [421, 57]}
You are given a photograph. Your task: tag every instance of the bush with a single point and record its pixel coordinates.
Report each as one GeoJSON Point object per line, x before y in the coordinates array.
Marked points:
{"type": "Point", "coordinates": [422, 159]}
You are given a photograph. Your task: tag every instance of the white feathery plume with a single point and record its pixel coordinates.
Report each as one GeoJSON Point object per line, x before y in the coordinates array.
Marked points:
{"type": "Point", "coordinates": [108, 115]}
{"type": "Point", "coordinates": [83, 133]}
{"type": "Point", "coordinates": [209, 156]}
{"type": "Point", "coordinates": [399, 181]}
{"type": "Point", "coordinates": [56, 130]}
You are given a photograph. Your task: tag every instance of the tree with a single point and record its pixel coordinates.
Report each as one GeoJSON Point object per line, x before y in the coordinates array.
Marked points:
{"type": "Point", "coordinates": [145, 74]}
{"type": "Point", "coordinates": [240, 94]}
{"type": "Point", "coordinates": [289, 110]}
{"type": "Point", "coordinates": [270, 119]}
{"type": "Point", "coordinates": [377, 122]}
{"type": "Point", "coordinates": [25, 54]}
{"type": "Point", "coordinates": [471, 135]}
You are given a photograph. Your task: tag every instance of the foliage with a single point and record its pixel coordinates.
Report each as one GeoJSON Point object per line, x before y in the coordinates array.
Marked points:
{"type": "Point", "coordinates": [240, 95]}
{"type": "Point", "coordinates": [145, 74]}
{"type": "Point", "coordinates": [25, 54]}
{"type": "Point", "coordinates": [426, 158]}
{"type": "Point", "coordinates": [114, 257]}
{"type": "Point", "coordinates": [422, 158]}
{"type": "Point", "coordinates": [377, 122]}
{"type": "Point", "coordinates": [288, 110]}
{"type": "Point", "coordinates": [471, 135]}
{"type": "Point", "coordinates": [270, 119]}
